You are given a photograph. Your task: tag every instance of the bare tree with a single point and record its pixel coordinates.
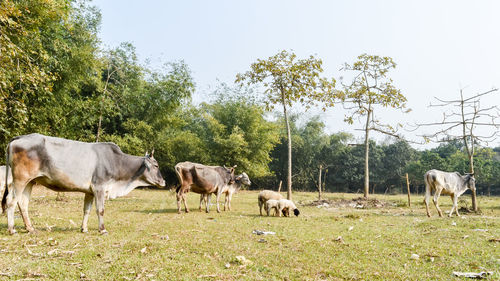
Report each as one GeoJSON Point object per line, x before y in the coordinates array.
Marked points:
{"type": "Point", "coordinates": [461, 124]}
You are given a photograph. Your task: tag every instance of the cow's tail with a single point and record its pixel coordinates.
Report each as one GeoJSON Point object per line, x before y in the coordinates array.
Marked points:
{"type": "Point", "coordinates": [178, 173]}
{"type": "Point", "coordinates": [6, 191]}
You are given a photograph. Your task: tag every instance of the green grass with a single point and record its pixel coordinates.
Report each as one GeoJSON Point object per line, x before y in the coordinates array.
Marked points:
{"type": "Point", "coordinates": [148, 240]}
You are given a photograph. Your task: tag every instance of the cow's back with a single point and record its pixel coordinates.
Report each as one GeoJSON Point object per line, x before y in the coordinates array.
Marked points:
{"type": "Point", "coordinates": [446, 181]}
{"type": "Point", "coordinates": [65, 164]}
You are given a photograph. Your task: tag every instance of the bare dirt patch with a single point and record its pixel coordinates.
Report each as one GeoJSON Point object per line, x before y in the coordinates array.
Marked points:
{"type": "Point", "coordinates": [357, 203]}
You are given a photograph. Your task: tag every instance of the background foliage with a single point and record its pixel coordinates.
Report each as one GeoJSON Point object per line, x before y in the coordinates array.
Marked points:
{"type": "Point", "coordinates": [56, 79]}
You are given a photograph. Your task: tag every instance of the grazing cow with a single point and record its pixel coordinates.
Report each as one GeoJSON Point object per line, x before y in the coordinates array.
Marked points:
{"type": "Point", "coordinates": [265, 195]}
{"type": "Point", "coordinates": [3, 176]}
{"type": "Point", "coordinates": [285, 206]}
{"type": "Point", "coordinates": [229, 190]}
{"type": "Point", "coordinates": [100, 170]}
{"type": "Point", "coordinates": [453, 184]}
{"type": "Point", "coordinates": [203, 180]}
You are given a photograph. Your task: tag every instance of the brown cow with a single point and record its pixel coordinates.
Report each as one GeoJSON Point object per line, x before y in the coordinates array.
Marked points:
{"type": "Point", "coordinates": [203, 180]}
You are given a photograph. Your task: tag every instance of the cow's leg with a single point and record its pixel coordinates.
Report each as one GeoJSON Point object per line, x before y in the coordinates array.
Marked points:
{"type": "Point", "coordinates": [427, 198]}
{"type": "Point", "coordinates": [87, 206]}
{"type": "Point", "coordinates": [185, 203]}
{"type": "Point", "coordinates": [226, 202]}
{"type": "Point", "coordinates": [454, 199]}
{"type": "Point", "coordinates": [202, 198]}
{"type": "Point", "coordinates": [99, 204]}
{"type": "Point", "coordinates": [260, 207]}
{"type": "Point", "coordinates": [436, 202]}
{"type": "Point", "coordinates": [12, 198]}
{"type": "Point", "coordinates": [178, 196]}
{"type": "Point", "coordinates": [23, 202]}
{"type": "Point", "coordinates": [217, 200]}
{"type": "Point", "coordinates": [228, 198]}
{"type": "Point", "coordinates": [207, 205]}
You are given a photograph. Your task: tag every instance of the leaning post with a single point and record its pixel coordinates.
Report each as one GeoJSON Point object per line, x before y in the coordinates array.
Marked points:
{"type": "Point", "coordinates": [408, 188]}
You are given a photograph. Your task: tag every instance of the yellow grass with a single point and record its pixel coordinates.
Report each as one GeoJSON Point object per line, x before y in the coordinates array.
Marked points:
{"type": "Point", "coordinates": [148, 240]}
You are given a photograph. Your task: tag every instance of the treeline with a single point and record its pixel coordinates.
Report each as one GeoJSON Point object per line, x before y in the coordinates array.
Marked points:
{"type": "Point", "coordinates": [342, 158]}
{"type": "Point", "coordinates": [56, 79]}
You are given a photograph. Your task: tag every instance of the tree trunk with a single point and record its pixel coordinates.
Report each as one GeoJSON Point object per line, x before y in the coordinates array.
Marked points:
{"type": "Point", "coordinates": [319, 182]}
{"type": "Point", "coordinates": [98, 129]}
{"type": "Point", "coordinates": [289, 136]}
{"type": "Point", "coordinates": [471, 170]}
{"type": "Point", "coordinates": [366, 190]}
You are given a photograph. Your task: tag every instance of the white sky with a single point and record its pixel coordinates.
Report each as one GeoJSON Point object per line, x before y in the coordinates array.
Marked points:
{"type": "Point", "coordinates": [439, 46]}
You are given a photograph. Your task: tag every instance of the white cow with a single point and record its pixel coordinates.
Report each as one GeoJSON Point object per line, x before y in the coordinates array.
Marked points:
{"type": "Point", "coordinates": [2, 177]}
{"type": "Point", "coordinates": [452, 184]}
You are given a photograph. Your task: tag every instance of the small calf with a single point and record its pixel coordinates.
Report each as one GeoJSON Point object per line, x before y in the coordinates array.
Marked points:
{"type": "Point", "coordinates": [284, 207]}
{"type": "Point", "coordinates": [271, 204]}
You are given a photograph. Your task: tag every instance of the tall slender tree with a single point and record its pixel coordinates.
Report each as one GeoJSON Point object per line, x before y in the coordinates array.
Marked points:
{"type": "Point", "coordinates": [371, 87]}
{"type": "Point", "coordinates": [288, 80]}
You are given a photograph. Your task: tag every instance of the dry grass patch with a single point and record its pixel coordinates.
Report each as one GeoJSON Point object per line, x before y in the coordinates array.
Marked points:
{"type": "Point", "coordinates": [148, 240]}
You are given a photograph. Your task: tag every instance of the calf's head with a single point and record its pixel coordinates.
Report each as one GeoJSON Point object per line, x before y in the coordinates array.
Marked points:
{"type": "Point", "coordinates": [244, 179]}
{"type": "Point", "coordinates": [152, 174]}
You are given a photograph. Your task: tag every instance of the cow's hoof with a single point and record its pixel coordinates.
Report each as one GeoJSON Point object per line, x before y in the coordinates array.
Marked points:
{"type": "Point", "coordinates": [84, 230]}
{"type": "Point", "coordinates": [12, 231]}
{"type": "Point", "coordinates": [103, 232]}
{"type": "Point", "coordinates": [32, 231]}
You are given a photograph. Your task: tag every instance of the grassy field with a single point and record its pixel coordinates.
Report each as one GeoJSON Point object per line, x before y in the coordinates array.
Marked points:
{"type": "Point", "coordinates": [148, 240]}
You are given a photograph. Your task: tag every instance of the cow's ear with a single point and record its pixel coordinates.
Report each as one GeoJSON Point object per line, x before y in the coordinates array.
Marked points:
{"type": "Point", "coordinates": [147, 164]}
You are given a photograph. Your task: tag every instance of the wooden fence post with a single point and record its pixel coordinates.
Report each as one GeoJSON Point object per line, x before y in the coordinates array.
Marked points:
{"type": "Point", "coordinates": [279, 188]}
{"type": "Point", "coordinates": [319, 182]}
{"type": "Point", "coordinates": [408, 188]}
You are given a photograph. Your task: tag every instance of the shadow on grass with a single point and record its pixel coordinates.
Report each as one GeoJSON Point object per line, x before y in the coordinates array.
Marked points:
{"type": "Point", "coordinates": [21, 230]}
{"type": "Point", "coordinates": [158, 211]}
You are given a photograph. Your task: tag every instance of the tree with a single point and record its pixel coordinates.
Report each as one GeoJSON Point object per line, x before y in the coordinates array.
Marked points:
{"type": "Point", "coordinates": [369, 88]}
{"type": "Point", "coordinates": [461, 124]}
{"type": "Point", "coordinates": [288, 80]}
{"type": "Point", "coordinates": [48, 50]}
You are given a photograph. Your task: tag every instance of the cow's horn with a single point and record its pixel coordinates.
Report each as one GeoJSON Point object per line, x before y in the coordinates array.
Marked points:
{"type": "Point", "coordinates": [152, 152]}
{"type": "Point", "coordinates": [147, 154]}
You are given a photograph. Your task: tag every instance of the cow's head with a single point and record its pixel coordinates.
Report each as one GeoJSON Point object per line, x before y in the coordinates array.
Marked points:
{"type": "Point", "coordinates": [243, 178]}
{"type": "Point", "coordinates": [470, 181]}
{"type": "Point", "coordinates": [230, 178]}
{"type": "Point", "coordinates": [152, 174]}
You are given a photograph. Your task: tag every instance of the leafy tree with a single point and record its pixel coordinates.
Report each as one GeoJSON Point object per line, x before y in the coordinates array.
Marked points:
{"type": "Point", "coordinates": [371, 87]}
{"type": "Point", "coordinates": [47, 51]}
{"type": "Point", "coordinates": [287, 80]}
